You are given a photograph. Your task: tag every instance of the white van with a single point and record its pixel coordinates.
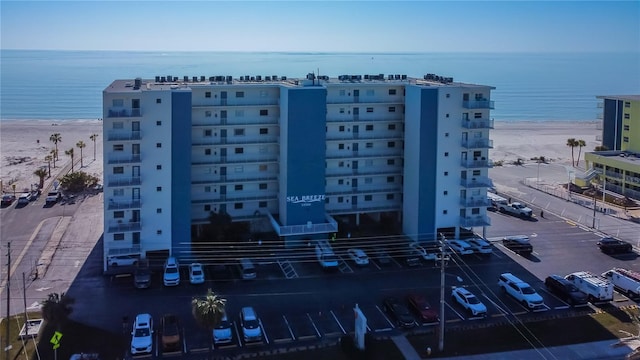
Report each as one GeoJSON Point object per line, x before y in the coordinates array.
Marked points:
{"type": "Point", "coordinates": [247, 270]}
{"type": "Point", "coordinates": [326, 257]}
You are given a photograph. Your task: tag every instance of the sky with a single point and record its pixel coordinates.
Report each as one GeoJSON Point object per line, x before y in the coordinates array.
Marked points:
{"type": "Point", "coordinates": [323, 26]}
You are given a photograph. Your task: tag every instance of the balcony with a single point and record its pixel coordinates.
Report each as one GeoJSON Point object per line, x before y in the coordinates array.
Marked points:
{"type": "Point", "coordinates": [134, 250]}
{"type": "Point", "coordinates": [238, 159]}
{"type": "Point", "coordinates": [124, 113]}
{"type": "Point", "coordinates": [470, 164]}
{"type": "Point", "coordinates": [123, 181]}
{"type": "Point", "coordinates": [125, 226]}
{"type": "Point", "coordinates": [477, 123]}
{"type": "Point", "coordinates": [123, 205]}
{"type": "Point", "coordinates": [476, 182]}
{"type": "Point", "coordinates": [120, 135]}
{"type": "Point", "coordinates": [346, 154]}
{"type": "Point", "coordinates": [475, 202]}
{"type": "Point", "coordinates": [478, 104]}
{"type": "Point", "coordinates": [477, 143]}
{"type": "Point", "coordinates": [123, 159]}
{"type": "Point", "coordinates": [477, 220]}
{"type": "Point", "coordinates": [331, 226]}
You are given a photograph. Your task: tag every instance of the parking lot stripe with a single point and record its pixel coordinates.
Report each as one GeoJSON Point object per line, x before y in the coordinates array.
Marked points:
{"type": "Point", "coordinates": [385, 317]}
{"type": "Point", "coordinates": [336, 319]}
{"type": "Point", "coordinates": [314, 326]}
{"type": "Point", "coordinates": [289, 327]}
{"type": "Point", "coordinates": [454, 310]}
{"type": "Point", "coordinates": [266, 338]}
{"type": "Point", "coordinates": [376, 265]}
{"type": "Point", "coordinates": [235, 326]}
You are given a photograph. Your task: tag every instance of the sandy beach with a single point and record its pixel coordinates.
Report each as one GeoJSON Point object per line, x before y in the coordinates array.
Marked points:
{"type": "Point", "coordinates": [25, 143]}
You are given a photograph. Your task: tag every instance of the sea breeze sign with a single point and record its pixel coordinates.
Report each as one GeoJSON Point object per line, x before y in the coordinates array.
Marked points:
{"type": "Point", "coordinates": [305, 200]}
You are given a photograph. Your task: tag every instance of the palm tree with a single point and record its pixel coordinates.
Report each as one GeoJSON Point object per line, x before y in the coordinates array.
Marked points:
{"type": "Point", "coordinates": [56, 308]}
{"type": "Point", "coordinates": [208, 311]}
{"type": "Point", "coordinates": [41, 174]}
{"type": "Point", "coordinates": [54, 154]}
{"type": "Point", "coordinates": [70, 153]}
{"type": "Point", "coordinates": [48, 159]}
{"type": "Point", "coordinates": [581, 143]}
{"type": "Point", "coordinates": [572, 142]}
{"type": "Point", "coordinates": [56, 138]}
{"type": "Point", "coordinates": [80, 144]}
{"type": "Point", "coordinates": [93, 138]}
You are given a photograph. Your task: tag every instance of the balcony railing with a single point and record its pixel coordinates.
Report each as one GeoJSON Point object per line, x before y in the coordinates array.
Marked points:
{"type": "Point", "coordinates": [477, 163]}
{"type": "Point", "coordinates": [477, 143]}
{"type": "Point", "coordinates": [125, 226]}
{"type": "Point", "coordinates": [478, 104]}
{"type": "Point", "coordinates": [119, 113]}
{"type": "Point", "coordinates": [124, 181]}
{"type": "Point", "coordinates": [330, 226]}
{"type": "Point", "coordinates": [133, 250]}
{"type": "Point", "coordinates": [478, 181]}
{"type": "Point", "coordinates": [475, 202]}
{"type": "Point", "coordinates": [123, 135]}
{"type": "Point", "coordinates": [126, 159]}
{"type": "Point", "coordinates": [362, 154]}
{"type": "Point", "coordinates": [237, 160]}
{"type": "Point", "coordinates": [477, 123]}
{"type": "Point", "coordinates": [471, 221]}
{"type": "Point", "coordinates": [121, 205]}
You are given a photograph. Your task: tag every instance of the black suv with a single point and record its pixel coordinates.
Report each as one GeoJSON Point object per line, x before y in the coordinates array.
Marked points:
{"type": "Point", "coordinates": [564, 289]}
{"type": "Point", "coordinates": [609, 245]}
{"type": "Point", "coordinates": [400, 312]}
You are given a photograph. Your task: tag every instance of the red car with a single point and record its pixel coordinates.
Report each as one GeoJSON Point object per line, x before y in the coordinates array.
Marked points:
{"type": "Point", "coordinates": [8, 199]}
{"type": "Point", "coordinates": [421, 306]}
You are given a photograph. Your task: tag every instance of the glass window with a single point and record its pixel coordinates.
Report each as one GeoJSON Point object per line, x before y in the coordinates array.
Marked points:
{"type": "Point", "coordinates": [341, 128]}
{"type": "Point", "coordinates": [392, 91]}
{"type": "Point", "coordinates": [118, 125]}
{"type": "Point", "coordinates": [263, 186]}
{"type": "Point", "coordinates": [264, 112]}
{"type": "Point", "coordinates": [238, 132]}
{"type": "Point", "coordinates": [207, 208]}
{"type": "Point", "coordinates": [391, 144]}
{"type": "Point", "coordinates": [369, 109]}
{"type": "Point", "coordinates": [207, 151]}
{"type": "Point", "coordinates": [368, 180]}
{"type": "Point", "coordinates": [390, 179]}
{"type": "Point", "coordinates": [237, 206]}
{"type": "Point", "coordinates": [118, 170]}
{"type": "Point", "coordinates": [118, 237]}
{"type": "Point", "coordinates": [369, 127]}
{"type": "Point", "coordinates": [207, 113]}
{"type": "Point", "coordinates": [264, 131]}
{"type": "Point", "coordinates": [391, 161]}
{"type": "Point", "coordinates": [369, 145]}
{"type": "Point", "coordinates": [239, 94]}
{"type": "Point", "coordinates": [389, 196]}
{"type": "Point", "coordinates": [117, 102]}
{"type": "Point", "coordinates": [392, 109]}
{"type": "Point", "coordinates": [239, 150]}
{"type": "Point", "coordinates": [238, 187]}
{"type": "Point", "coordinates": [207, 189]}
{"type": "Point", "coordinates": [207, 94]}
{"type": "Point", "coordinates": [262, 204]}
{"type": "Point", "coordinates": [118, 214]}
{"type": "Point", "coordinates": [118, 147]}
{"type": "Point", "coordinates": [340, 146]}
{"type": "Point", "coordinates": [368, 197]}
{"type": "Point", "coordinates": [208, 132]}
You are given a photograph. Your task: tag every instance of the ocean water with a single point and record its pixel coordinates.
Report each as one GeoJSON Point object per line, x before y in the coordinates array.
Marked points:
{"type": "Point", "coordinates": [529, 87]}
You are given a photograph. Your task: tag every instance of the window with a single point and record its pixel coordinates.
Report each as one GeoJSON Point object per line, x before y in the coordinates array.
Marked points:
{"type": "Point", "coordinates": [391, 144]}
{"type": "Point", "coordinates": [264, 131]}
{"type": "Point", "coordinates": [446, 192]}
{"type": "Point", "coordinates": [626, 127]}
{"type": "Point", "coordinates": [444, 212]}
{"type": "Point", "coordinates": [389, 196]}
{"type": "Point", "coordinates": [117, 102]}
{"type": "Point", "coordinates": [207, 207]}
{"type": "Point", "coordinates": [342, 93]}
{"type": "Point", "coordinates": [340, 199]}
{"type": "Point", "coordinates": [368, 197]}
{"type": "Point", "coordinates": [118, 214]}
{"type": "Point", "coordinates": [390, 179]}
{"type": "Point", "coordinates": [208, 132]}
{"type": "Point", "coordinates": [341, 110]}
{"type": "Point", "coordinates": [368, 180]}
{"type": "Point", "coordinates": [118, 147]}
{"type": "Point", "coordinates": [238, 187]}
{"type": "Point", "coordinates": [369, 127]}
{"type": "Point", "coordinates": [239, 94]}
{"type": "Point", "coordinates": [118, 170]}
{"type": "Point", "coordinates": [264, 112]}
{"type": "Point", "coordinates": [369, 109]}
{"type": "Point", "coordinates": [475, 211]}
{"type": "Point", "coordinates": [263, 186]}
{"type": "Point", "coordinates": [391, 161]}
{"type": "Point", "coordinates": [118, 192]}
{"type": "Point", "coordinates": [262, 167]}
{"type": "Point", "coordinates": [446, 173]}
{"type": "Point", "coordinates": [626, 104]}
{"type": "Point", "coordinates": [625, 139]}
{"type": "Point", "coordinates": [340, 181]}
{"type": "Point", "coordinates": [159, 188]}
{"type": "Point", "coordinates": [262, 204]}
{"type": "Point", "coordinates": [158, 101]}
{"type": "Point", "coordinates": [159, 232]}
{"type": "Point", "coordinates": [391, 127]}
{"type": "Point", "coordinates": [207, 189]}
{"type": "Point", "coordinates": [207, 151]}
{"type": "Point", "coordinates": [448, 96]}
{"type": "Point", "coordinates": [476, 172]}
{"type": "Point", "coordinates": [239, 150]}
{"type": "Point", "coordinates": [340, 146]}
{"type": "Point", "coordinates": [341, 128]}
{"type": "Point", "coordinates": [627, 116]}
{"type": "Point", "coordinates": [207, 94]}
{"type": "Point", "coordinates": [159, 211]}
{"type": "Point", "coordinates": [447, 116]}
{"type": "Point", "coordinates": [237, 206]}
{"type": "Point", "coordinates": [371, 92]}
{"type": "Point", "coordinates": [158, 145]}
{"type": "Point", "coordinates": [446, 134]}
{"type": "Point", "coordinates": [118, 237]}
{"type": "Point", "coordinates": [207, 113]}
{"type": "Point", "coordinates": [477, 115]}
{"type": "Point", "coordinates": [158, 123]}
{"type": "Point", "coordinates": [479, 97]}
{"type": "Point", "coordinates": [369, 145]}
{"type": "Point", "coordinates": [238, 132]}
{"type": "Point", "coordinates": [392, 91]}
{"type": "Point", "coordinates": [446, 154]}
{"type": "Point", "coordinates": [341, 164]}
{"type": "Point", "coordinates": [158, 167]}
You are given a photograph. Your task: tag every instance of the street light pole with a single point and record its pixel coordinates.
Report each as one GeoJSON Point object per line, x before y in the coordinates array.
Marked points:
{"type": "Point", "coordinates": [441, 337]}
{"type": "Point", "coordinates": [595, 201]}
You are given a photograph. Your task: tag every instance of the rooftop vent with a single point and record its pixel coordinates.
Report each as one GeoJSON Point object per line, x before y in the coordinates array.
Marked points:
{"type": "Point", "coordinates": [185, 78]}
{"type": "Point", "coordinates": [157, 78]}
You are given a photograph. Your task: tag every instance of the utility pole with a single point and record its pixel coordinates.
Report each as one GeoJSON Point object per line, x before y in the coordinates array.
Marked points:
{"type": "Point", "coordinates": [24, 297]}
{"type": "Point", "coordinates": [8, 343]}
{"type": "Point", "coordinates": [441, 337]}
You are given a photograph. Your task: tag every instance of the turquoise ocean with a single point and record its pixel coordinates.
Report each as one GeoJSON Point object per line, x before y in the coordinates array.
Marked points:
{"type": "Point", "coordinates": [61, 85]}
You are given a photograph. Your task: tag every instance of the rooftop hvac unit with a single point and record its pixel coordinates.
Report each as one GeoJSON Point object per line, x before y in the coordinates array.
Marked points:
{"type": "Point", "coordinates": [267, 78]}
{"type": "Point", "coordinates": [247, 77]}
{"type": "Point", "coordinates": [211, 78]}
{"type": "Point", "coordinates": [366, 77]}
{"type": "Point", "coordinates": [162, 79]}
{"type": "Point", "coordinates": [380, 76]}
{"type": "Point", "coordinates": [389, 77]}
{"type": "Point", "coordinates": [284, 78]}
{"type": "Point", "coordinates": [185, 78]}
{"type": "Point", "coordinates": [311, 76]}
{"type": "Point", "coordinates": [169, 77]}
{"type": "Point", "coordinates": [241, 78]}
{"type": "Point", "coordinates": [137, 83]}
{"type": "Point", "coordinates": [203, 78]}
{"type": "Point", "coordinates": [157, 78]}
{"type": "Point", "coordinates": [274, 77]}
{"type": "Point", "coordinates": [397, 76]}
{"type": "Point", "coordinates": [229, 78]}
{"type": "Point", "coordinates": [258, 77]}
{"type": "Point", "coordinates": [253, 78]}
{"type": "Point", "coordinates": [195, 79]}
{"type": "Point", "coordinates": [449, 79]}
{"type": "Point", "coordinates": [404, 77]}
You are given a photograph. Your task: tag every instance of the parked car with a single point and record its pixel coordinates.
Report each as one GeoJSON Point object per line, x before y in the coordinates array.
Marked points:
{"type": "Point", "coordinates": [250, 324]}
{"type": "Point", "coordinates": [468, 301]}
{"type": "Point", "coordinates": [427, 252]}
{"type": "Point", "coordinates": [461, 247]}
{"type": "Point", "coordinates": [196, 273]}
{"type": "Point", "coordinates": [565, 290]}
{"type": "Point", "coordinates": [521, 291]}
{"type": "Point", "coordinates": [479, 245]}
{"type": "Point", "coordinates": [422, 308]}
{"type": "Point", "coordinates": [222, 334]}
{"type": "Point", "coordinates": [8, 199]}
{"type": "Point", "coordinates": [358, 256]}
{"type": "Point", "coordinates": [123, 260]}
{"type": "Point", "coordinates": [610, 245]}
{"type": "Point", "coordinates": [53, 197]}
{"type": "Point", "coordinates": [24, 198]}
{"type": "Point", "coordinates": [383, 257]}
{"type": "Point", "coordinates": [142, 277]}
{"type": "Point", "coordinates": [399, 312]}
{"type": "Point", "coordinates": [170, 333]}
{"type": "Point", "coordinates": [142, 335]}
{"type": "Point", "coordinates": [519, 244]}
{"type": "Point", "coordinates": [171, 272]}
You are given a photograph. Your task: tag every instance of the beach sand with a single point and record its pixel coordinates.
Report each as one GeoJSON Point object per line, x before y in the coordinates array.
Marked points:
{"type": "Point", "coordinates": [25, 143]}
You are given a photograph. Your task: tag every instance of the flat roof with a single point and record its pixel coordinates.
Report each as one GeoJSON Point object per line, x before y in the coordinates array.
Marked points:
{"type": "Point", "coordinates": [627, 157]}
{"type": "Point", "coordinates": [620, 97]}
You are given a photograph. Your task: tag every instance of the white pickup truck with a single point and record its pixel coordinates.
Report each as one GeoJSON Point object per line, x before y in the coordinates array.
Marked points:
{"type": "Point", "coordinates": [515, 208]}
{"type": "Point", "coordinates": [626, 281]}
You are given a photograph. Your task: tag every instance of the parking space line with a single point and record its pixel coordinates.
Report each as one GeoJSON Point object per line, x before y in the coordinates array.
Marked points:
{"type": "Point", "coordinates": [336, 319]}
{"type": "Point", "coordinates": [454, 310]}
{"type": "Point", "coordinates": [505, 312]}
{"type": "Point", "coordinates": [293, 337]}
{"type": "Point", "coordinates": [385, 317]}
{"type": "Point", "coordinates": [375, 263]}
{"type": "Point", "coordinates": [235, 326]}
{"type": "Point", "coordinates": [314, 326]}
{"type": "Point", "coordinates": [266, 338]}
